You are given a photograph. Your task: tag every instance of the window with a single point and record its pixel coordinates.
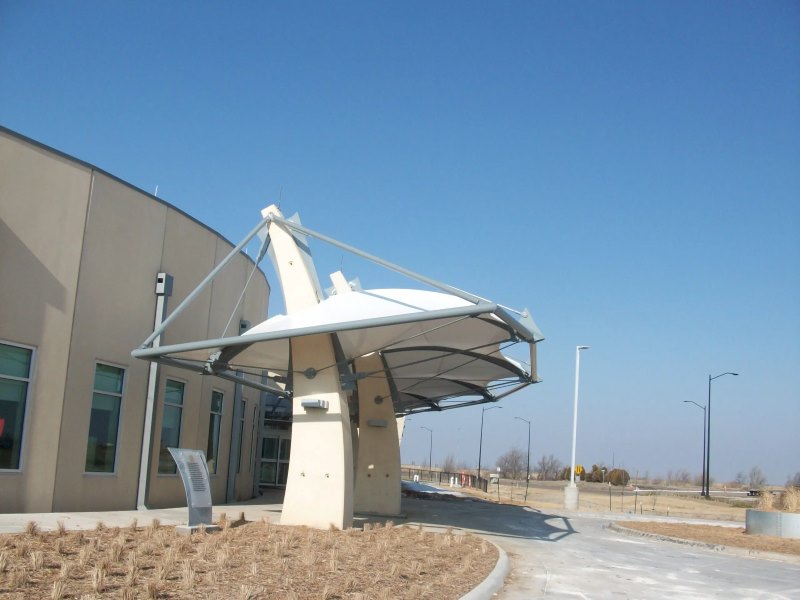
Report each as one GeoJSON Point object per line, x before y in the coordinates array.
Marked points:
{"type": "Point", "coordinates": [286, 444]}
{"type": "Point", "coordinates": [275, 451]}
{"type": "Point", "coordinates": [214, 425]}
{"type": "Point", "coordinates": [269, 459]}
{"type": "Point", "coordinates": [15, 378]}
{"type": "Point", "coordinates": [101, 447]}
{"type": "Point", "coordinates": [170, 425]}
{"type": "Point", "coordinates": [243, 405]}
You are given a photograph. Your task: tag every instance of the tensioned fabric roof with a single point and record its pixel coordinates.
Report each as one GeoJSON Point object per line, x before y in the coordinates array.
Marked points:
{"type": "Point", "coordinates": [438, 350]}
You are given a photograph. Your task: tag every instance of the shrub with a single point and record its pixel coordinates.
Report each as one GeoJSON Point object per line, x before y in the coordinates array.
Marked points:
{"type": "Point", "coordinates": [789, 500]}
{"type": "Point", "coordinates": [765, 500]}
{"type": "Point", "coordinates": [618, 477]}
{"type": "Point", "coordinates": [598, 474]}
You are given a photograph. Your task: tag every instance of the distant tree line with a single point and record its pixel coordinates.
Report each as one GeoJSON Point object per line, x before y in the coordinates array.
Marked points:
{"type": "Point", "coordinates": [513, 465]}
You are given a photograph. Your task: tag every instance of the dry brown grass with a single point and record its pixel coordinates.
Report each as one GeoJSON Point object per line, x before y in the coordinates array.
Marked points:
{"type": "Point", "coordinates": [723, 536]}
{"type": "Point", "coordinates": [790, 499]}
{"type": "Point", "coordinates": [765, 501]}
{"type": "Point", "coordinates": [250, 561]}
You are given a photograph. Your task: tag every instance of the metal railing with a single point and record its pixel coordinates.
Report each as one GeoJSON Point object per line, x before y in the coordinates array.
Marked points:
{"type": "Point", "coordinates": [445, 478]}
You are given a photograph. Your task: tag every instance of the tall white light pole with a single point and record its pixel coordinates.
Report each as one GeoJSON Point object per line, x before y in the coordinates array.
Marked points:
{"type": "Point", "coordinates": [571, 491]}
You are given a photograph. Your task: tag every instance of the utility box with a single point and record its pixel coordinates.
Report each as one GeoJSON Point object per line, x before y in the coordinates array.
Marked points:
{"type": "Point", "coordinates": [163, 284]}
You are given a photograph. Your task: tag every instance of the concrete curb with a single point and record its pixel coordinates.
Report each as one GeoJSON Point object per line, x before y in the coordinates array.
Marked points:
{"type": "Point", "coordinates": [732, 550]}
{"type": "Point", "coordinates": [495, 580]}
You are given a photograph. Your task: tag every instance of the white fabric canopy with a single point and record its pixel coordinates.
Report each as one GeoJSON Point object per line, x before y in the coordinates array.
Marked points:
{"type": "Point", "coordinates": [439, 350]}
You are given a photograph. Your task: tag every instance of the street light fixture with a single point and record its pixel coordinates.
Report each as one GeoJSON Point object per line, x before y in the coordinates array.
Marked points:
{"type": "Point", "coordinates": [528, 463]}
{"type": "Point", "coordinates": [708, 432]}
{"type": "Point", "coordinates": [430, 449]}
{"type": "Point", "coordinates": [703, 476]}
{"type": "Point", "coordinates": [571, 491]}
{"type": "Point", "coordinates": [480, 442]}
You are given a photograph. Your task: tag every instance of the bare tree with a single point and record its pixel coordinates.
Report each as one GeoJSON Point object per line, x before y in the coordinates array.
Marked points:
{"type": "Point", "coordinates": [756, 477]}
{"type": "Point", "coordinates": [549, 468]}
{"type": "Point", "coordinates": [741, 478]}
{"type": "Point", "coordinates": [462, 465]}
{"type": "Point", "coordinates": [449, 464]}
{"type": "Point", "coordinates": [794, 480]}
{"type": "Point", "coordinates": [681, 476]}
{"type": "Point", "coordinates": [512, 463]}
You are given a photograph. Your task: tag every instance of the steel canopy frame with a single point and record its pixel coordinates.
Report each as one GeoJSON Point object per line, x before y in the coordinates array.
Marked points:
{"type": "Point", "coordinates": [226, 348]}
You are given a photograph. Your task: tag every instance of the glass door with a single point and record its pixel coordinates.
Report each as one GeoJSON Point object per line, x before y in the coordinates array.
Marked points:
{"type": "Point", "coordinates": [275, 450]}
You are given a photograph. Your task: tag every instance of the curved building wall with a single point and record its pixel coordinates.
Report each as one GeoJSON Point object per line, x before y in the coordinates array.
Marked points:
{"type": "Point", "coordinates": [79, 255]}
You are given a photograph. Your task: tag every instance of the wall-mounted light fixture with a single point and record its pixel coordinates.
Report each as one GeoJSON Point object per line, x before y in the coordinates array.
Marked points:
{"type": "Point", "coordinates": [314, 403]}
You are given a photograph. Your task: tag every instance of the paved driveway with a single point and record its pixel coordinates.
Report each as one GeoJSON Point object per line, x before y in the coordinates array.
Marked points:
{"type": "Point", "coordinates": [556, 556]}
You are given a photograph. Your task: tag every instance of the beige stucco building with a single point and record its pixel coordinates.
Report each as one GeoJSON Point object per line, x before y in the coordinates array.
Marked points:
{"type": "Point", "coordinates": [80, 254]}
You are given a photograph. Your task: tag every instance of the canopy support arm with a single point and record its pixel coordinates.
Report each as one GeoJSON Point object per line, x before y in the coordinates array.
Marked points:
{"type": "Point", "coordinates": [179, 309]}
{"type": "Point", "coordinates": [522, 329]}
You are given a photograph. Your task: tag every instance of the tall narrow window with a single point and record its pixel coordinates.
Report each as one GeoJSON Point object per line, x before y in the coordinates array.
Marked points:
{"type": "Point", "coordinates": [243, 405]}
{"type": "Point", "coordinates": [214, 426]}
{"type": "Point", "coordinates": [170, 425]}
{"type": "Point", "coordinates": [101, 447]}
{"type": "Point", "coordinates": [269, 459]}
{"type": "Point", "coordinates": [15, 377]}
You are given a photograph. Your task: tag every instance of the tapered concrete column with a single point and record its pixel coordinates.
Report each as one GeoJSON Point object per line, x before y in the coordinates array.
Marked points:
{"type": "Point", "coordinates": [378, 466]}
{"type": "Point", "coordinates": [319, 486]}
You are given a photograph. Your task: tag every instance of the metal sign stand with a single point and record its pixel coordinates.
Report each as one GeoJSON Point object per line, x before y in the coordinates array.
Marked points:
{"type": "Point", "coordinates": [194, 474]}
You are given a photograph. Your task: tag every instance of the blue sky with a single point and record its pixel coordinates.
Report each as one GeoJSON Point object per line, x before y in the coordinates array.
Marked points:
{"type": "Point", "coordinates": [628, 171]}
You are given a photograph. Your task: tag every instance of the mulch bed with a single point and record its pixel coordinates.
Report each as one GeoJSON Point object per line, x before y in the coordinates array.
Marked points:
{"type": "Point", "coordinates": [245, 560]}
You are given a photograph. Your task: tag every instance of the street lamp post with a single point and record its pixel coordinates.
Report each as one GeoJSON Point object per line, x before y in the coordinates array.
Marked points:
{"type": "Point", "coordinates": [480, 442]}
{"type": "Point", "coordinates": [708, 432]}
{"type": "Point", "coordinates": [430, 449]}
{"type": "Point", "coordinates": [571, 491]}
{"type": "Point", "coordinates": [703, 476]}
{"type": "Point", "coordinates": [528, 463]}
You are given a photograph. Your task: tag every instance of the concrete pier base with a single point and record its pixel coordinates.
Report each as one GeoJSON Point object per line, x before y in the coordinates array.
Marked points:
{"type": "Point", "coordinates": [571, 497]}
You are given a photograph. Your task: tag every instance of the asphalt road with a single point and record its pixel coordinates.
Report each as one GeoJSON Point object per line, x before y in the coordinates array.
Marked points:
{"type": "Point", "coordinates": [560, 556]}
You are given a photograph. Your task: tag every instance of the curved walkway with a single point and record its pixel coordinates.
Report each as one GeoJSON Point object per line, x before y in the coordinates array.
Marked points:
{"type": "Point", "coordinates": [576, 555]}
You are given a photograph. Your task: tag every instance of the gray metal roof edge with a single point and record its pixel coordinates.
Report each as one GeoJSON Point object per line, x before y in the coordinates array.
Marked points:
{"type": "Point", "coordinates": [90, 166]}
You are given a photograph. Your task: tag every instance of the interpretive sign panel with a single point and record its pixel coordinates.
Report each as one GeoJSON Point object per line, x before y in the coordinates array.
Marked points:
{"type": "Point", "coordinates": [194, 473]}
